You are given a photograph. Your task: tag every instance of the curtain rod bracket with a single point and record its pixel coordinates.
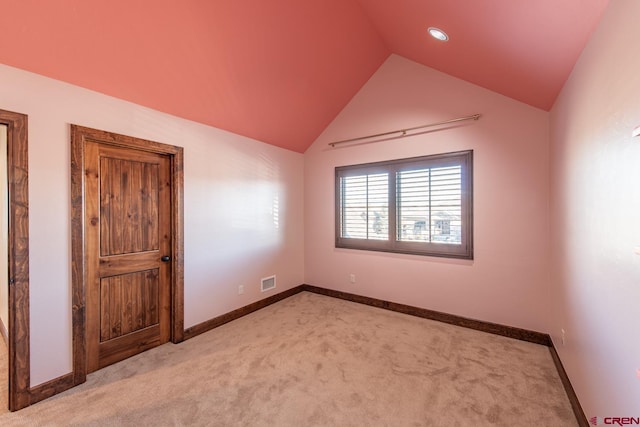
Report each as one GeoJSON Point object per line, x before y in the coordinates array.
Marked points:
{"type": "Point", "coordinates": [403, 132]}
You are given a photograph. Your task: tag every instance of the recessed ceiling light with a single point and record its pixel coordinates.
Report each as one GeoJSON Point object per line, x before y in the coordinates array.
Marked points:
{"type": "Point", "coordinates": [437, 33]}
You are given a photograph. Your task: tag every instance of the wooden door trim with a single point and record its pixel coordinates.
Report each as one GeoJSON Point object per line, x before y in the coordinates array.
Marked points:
{"type": "Point", "coordinates": [18, 328]}
{"type": "Point", "coordinates": [79, 136]}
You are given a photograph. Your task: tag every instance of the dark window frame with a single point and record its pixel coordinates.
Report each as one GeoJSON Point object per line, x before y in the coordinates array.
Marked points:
{"type": "Point", "coordinates": [464, 250]}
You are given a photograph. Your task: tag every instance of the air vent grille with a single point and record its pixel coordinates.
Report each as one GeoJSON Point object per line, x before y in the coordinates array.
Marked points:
{"type": "Point", "coordinates": [268, 283]}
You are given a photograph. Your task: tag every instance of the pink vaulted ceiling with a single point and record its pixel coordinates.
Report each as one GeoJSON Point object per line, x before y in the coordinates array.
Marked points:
{"type": "Point", "coordinates": [280, 70]}
{"type": "Point", "coordinates": [275, 70]}
{"type": "Point", "coordinates": [524, 49]}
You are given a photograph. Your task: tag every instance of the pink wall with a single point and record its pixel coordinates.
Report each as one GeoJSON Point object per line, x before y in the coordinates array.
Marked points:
{"type": "Point", "coordinates": [243, 208]}
{"type": "Point", "coordinates": [508, 280]}
{"type": "Point", "coordinates": [595, 170]}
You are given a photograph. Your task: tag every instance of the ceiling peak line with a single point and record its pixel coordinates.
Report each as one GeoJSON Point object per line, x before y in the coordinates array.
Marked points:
{"type": "Point", "coordinates": [403, 132]}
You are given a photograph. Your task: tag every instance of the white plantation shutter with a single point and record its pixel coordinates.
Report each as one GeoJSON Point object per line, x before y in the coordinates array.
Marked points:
{"type": "Point", "coordinates": [430, 205]}
{"type": "Point", "coordinates": [446, 205]}
{"type": "Point", "coordinates": [426, 202]}
{"type": "Point", "coordinates": [413, 197]}
{"type": "Point", "coordinates": [365, 206]}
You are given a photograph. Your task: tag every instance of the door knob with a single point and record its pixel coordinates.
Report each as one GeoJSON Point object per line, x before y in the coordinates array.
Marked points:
{"type": "Point", "coordinates": [165, 258]}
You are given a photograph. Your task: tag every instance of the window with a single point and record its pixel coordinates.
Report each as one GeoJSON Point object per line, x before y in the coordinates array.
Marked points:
{"type": "Point", "coordinates": [421, 205]}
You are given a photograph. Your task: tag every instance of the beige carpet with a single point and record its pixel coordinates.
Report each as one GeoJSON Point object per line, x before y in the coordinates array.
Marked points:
{"type": "Point", "coordinates": [312, 360]}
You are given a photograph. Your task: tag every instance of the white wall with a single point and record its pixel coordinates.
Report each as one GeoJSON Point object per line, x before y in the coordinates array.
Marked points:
{"type": "Point", "coordinates": [243, 208]}
{"type": "Point", "coordinates": [595, 175]}
{"type": "Point", "coordinates": [507, 282]}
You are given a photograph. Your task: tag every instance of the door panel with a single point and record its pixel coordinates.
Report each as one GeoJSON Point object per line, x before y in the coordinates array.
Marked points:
{"type": "Point", "coordinates": [119, 202]}
{"type": "Point", "coordinates": [128, 231]}
{"type": "Point", "coordinates": [128, 303]}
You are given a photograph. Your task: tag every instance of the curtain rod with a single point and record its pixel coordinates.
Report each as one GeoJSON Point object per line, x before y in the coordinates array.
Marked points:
{"type": "Point", "coordinates": [404, 131]}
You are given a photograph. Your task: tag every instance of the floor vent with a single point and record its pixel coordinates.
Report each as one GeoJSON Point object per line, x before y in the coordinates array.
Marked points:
{"type": "Point", "coordinates": [268, 283]}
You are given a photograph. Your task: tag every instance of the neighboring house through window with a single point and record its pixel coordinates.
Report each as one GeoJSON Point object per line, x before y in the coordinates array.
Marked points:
{"type": "Point", "coordinates": [421, 205]}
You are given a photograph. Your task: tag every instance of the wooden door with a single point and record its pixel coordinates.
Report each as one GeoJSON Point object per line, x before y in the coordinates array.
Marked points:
{"type": "Point", "coordinates": [128, 246]}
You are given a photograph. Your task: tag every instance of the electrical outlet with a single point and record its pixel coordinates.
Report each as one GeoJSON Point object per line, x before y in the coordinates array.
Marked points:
{"type": "Point", "coordinates": [240, 289]}
{"type": "Point", "coordinates": [352, 278]}
{"type": "Point", "coordinates": [563, 336]}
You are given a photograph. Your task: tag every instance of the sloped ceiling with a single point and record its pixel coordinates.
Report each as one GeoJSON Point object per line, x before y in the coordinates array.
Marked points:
{"type": "Point", "coordinates": [279, 71]}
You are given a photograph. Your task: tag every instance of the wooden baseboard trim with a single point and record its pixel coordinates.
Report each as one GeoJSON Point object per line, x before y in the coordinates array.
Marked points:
{"type": "Point", "coordinates": [492, 328]}
{"type": "Point", "coordinates": [51, 388]}
{"type": "Point", "coordinates": [568, 388]}
{"type": "Point", "coordinates": [210, 324]}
